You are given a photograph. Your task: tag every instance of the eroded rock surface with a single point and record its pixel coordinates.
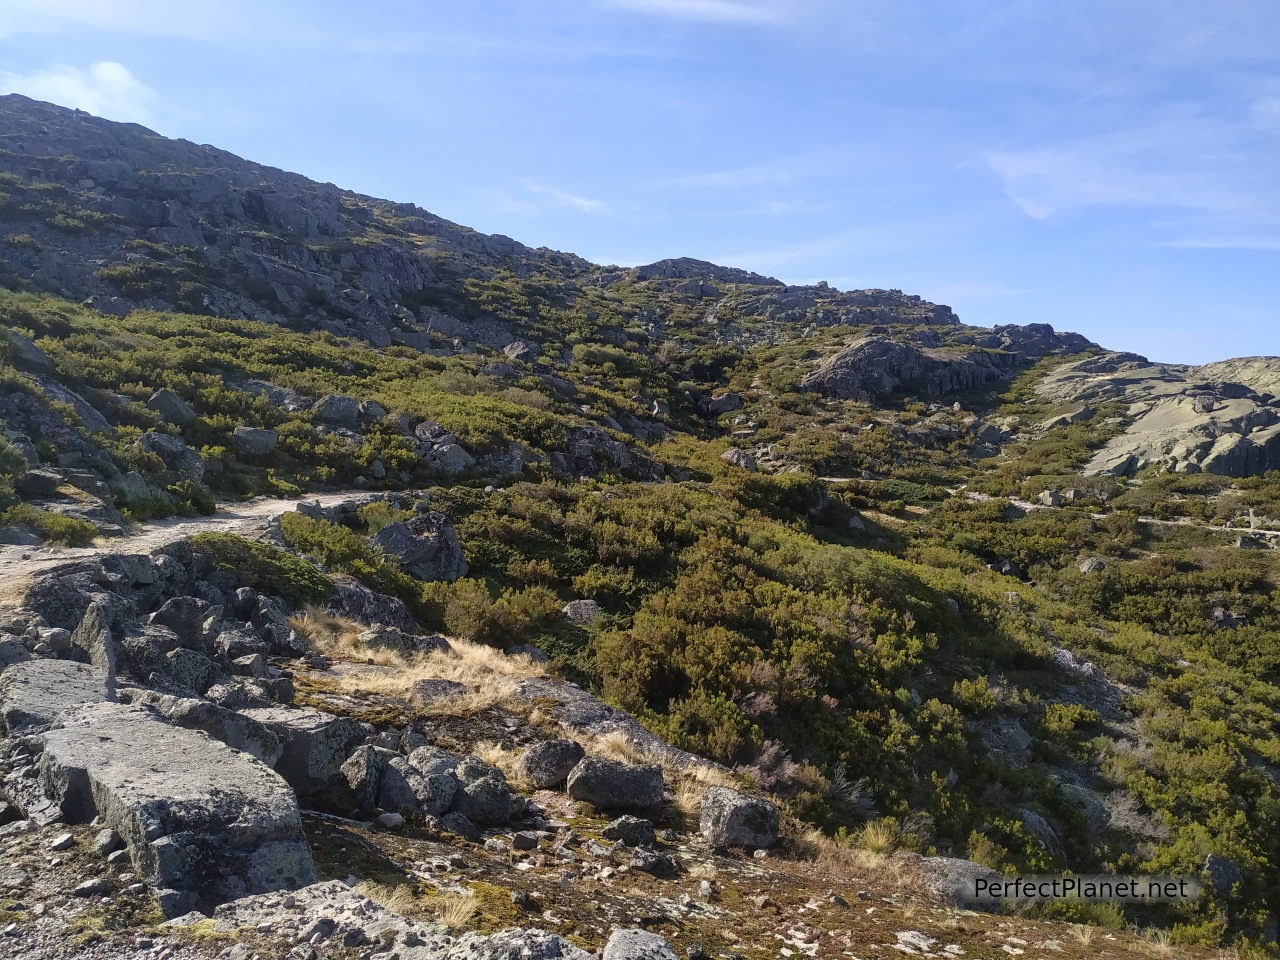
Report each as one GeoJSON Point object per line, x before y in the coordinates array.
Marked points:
{"type": "Point", "coordinates": [203, 823]}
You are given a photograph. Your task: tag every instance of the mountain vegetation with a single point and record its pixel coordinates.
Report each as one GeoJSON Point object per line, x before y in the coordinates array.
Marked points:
{"type": "Point", "coordinates": [904, 575]}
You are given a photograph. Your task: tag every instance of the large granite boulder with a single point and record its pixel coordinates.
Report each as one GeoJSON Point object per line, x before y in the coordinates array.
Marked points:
{"type": "Point", "coordinates": [203, 823]}
{"type": "Point", "coordinates": [171, 407]}
{"type": "Point", "coordinates": [637, 945]}
{"type": "Point", "coordinates": [180, 461]}
{"type": "Point", "coordinates": [546, 765]}
{"type": "Point", "coordinates": [254, 442]}
{"type": "Point", "coordinates": [316, 745]}
{"type": "Point", "coordinates": [611, 785]}
{"type": "Point", "coordinates": [426, 547]}
{"type": "Point", "coordinates": [353, 599]}
{"type": "Point", "coordinates": [731, 818]}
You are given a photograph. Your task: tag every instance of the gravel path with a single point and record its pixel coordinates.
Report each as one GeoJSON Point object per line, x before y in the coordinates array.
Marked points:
{"type": "Point", "coordinates": [249, 518]}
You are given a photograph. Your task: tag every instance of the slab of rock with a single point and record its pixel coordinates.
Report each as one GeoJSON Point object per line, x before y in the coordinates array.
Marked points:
{"type": "Point", "coordinates": [637, 945]}
{"type": "Point", "coordinates": [316, 744]}
{"type": "Point", "coordinates": [731, 818]}
{"type": "Point", "coordinates": [234, 729]}
{"type": "Point", "coordinates": [425, 692]}
{"type": "Point", "coordinates": [203, 823]}
{"type": "Point", "coordinates": [546, 765]}
{"type": "Point", "coordinates": [611, 785]}
{"type": "Point", "coordinates": [33, 693]}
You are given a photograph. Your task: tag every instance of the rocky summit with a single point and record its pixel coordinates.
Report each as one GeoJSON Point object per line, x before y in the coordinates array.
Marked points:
{"type": "Point", "coordinates": [376, 589]}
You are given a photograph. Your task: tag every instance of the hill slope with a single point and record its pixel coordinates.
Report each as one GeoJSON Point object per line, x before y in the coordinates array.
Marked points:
{"type": "Point", "coordinates": [839, 542]}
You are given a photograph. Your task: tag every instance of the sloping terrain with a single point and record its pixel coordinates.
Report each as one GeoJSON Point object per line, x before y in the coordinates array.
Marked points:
{"type": "Point", "coordinates": [859, 558]}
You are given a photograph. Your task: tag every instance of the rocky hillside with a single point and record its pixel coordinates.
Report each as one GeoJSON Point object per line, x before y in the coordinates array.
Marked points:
{"type": "Point", "coordinates": [327, 781]}
{"type": "Point", "coordinates": [1218, 418]}
{"type": "Point", "coordinates": [939, 597]}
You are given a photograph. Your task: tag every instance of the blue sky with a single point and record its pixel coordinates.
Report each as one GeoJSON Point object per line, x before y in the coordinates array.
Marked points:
{"type": "Point", "coordinates": [1107, 166]}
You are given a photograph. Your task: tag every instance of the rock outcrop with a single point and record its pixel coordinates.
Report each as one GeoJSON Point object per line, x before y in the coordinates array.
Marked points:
{"type": "Point", "coordinates": [203, 823]}
{"type": "Point", "coordinates": [1217, 418]}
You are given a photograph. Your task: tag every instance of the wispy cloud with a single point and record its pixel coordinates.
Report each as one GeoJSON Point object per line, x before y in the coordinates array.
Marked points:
{"type": "Point", "coordinates": [714, 11]}
{"type": "Point", "coordinates": [105, 89]}
{"type": "Point", "coordinates": [564, 198]}
{"type": "Point", "coordinates": [1203, 181]}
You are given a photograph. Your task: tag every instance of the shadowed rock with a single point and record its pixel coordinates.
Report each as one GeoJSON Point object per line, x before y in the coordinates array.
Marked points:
{"type": "Point", "coordinates": [731, 818]}
{"type": "Point", "coordinates": [609, 785]}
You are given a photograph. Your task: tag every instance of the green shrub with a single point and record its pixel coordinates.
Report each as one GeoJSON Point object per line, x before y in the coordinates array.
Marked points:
{"type": "Point", "coordinates": [52, 527]}
{"type": "Point", "coordinates": [264, 567]}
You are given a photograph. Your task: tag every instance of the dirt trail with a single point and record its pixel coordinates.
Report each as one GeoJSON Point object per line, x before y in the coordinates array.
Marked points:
{"type": "Point", "coordinates": [248, 518]}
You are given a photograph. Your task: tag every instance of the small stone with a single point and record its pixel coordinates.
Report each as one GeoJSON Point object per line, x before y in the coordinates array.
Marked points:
{"type": "Point", "coordinates": [525, 840]}
{"type": "Point", "coordinates": [92, 888]}
{"type": "Point", "coordinates": [107, 841]}
{"type": "Point", "coordinates": [62, 842]}
{"type": "Point", "coordinates": [390, 821]}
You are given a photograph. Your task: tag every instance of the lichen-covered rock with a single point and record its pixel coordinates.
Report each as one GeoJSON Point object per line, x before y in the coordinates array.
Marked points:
{"type": "Point", "coordinates": [637, 945]}
{"type": "Point", "coordinates": [203, 823]}
{"type": "Point", "coordinates": [631, 831]}
{"type": "Point", "coordinates": [363, 771]}
{"type": "Point", "coordinates": [405, 787]}
{"type": "Point", "coordinates": [425, 547]}
{"type": "Point", "coordinates": [731, 818]}
{"type": "Point", "coordinates": [185, 617]}
{"type": "Point", "coordinates": [316, 744]}
{"type": "Point", "coordinates": [34, 692]}
{"type": "Point", "coordinates": [611, 785]}
{"type": "Point", "coordinates": [353, 599]}
{"type": "Point", "coordinates": [546, 765]}
{"type": "Point", "coordinates": [582, 612]}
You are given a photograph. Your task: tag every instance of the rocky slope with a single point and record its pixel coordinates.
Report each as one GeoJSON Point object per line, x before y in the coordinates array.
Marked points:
{"type": "Point", "coordinates": [1218, 418]}
{"type": "Point", "coordinates": [119, 215]}
{"type": "Point", "coordinates": [297, 803]}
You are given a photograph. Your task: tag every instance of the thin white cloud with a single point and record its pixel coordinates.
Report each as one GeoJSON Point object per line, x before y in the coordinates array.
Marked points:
{"type": "Point", "coordinates": [191, 19]}
{"type": "Point", "coordinates": [1204, 175]}
{"type": "Point", "coordinates": [105, 89]}
{"type": "Point", "coordinates": [564, 198]}
{"type": "Point", "coordinates": [714, 11]}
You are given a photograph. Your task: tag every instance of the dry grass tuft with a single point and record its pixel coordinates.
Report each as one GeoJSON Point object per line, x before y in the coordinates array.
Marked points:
{"type": "Point", "coordinates": [457, 911]}
{"type": "Point", "coordinates": [1083, 934]}
{"type": "Point", "coordinates": [879, 836]}
{"type": "Point", "coordinates": [489, 675]}
{"type": "Point", "coordinates": [336, 637]}
{"type": "Point", "coordinates": [1158, 942]}
{"type": "Point", "coordinates": [504, 758]}
{"type": "Point", "coordinates": [842, 861]}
